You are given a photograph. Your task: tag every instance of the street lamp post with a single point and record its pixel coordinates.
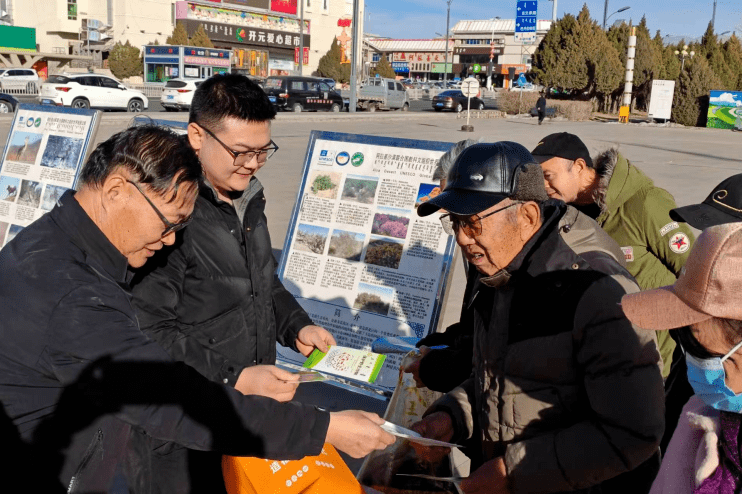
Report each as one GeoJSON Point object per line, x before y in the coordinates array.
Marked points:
{"type": "Point", "coordinates": [683, 54]}
{"type": "Point", "coordinates": [491, 68]}
{"type": "Point", "coordinates": [445, 60]}
{"type": "Point", "coordinates": [605, 19]}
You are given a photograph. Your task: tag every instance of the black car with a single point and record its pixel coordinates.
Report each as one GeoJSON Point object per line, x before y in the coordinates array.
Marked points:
{"type": "Point", "coordinates": [8, 103]}
{"type": "Point", "coordinates": [302, 93]}
{"type": "Point", "coordinates": [454, 99]}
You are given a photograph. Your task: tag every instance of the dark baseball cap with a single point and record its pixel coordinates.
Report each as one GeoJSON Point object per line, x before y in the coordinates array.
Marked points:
{"type": "Point", "coordinates": [562, 145]}
{"type": "Point", "coordinates": [723, 205]}
{"type": "Point", "coordinates": [485, 174]}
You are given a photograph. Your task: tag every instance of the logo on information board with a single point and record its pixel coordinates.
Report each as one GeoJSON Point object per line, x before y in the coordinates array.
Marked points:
{"type": "Point", "coordinates": [342, 158]}
{"type": "Point", "coordinates": [30, 122]}
{"type": "Point", "coordinates": [326, 157]}
{"type": "Point", "coordinates": [37, 123]}
{"type": "Point", "coordinates": [357, 159]}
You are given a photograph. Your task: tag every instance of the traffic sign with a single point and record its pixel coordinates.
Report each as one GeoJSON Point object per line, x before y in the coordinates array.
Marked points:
{"type": "Point", "coordinates": [470, 87]}
{"type": "Point", "coordinates": [526, 21]}
{"type": "Point", "coordinates": [522, 80]}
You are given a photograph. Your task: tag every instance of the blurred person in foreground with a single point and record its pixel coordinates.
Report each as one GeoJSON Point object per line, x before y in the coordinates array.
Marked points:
{"type": "Point", "coordinates": [213, 299]}
{"type": "Point", "coordinates": [565, 393]}
{"type": "Point", "coordinates": [705, 307]}
{"type": "Point", "coordinates": [77, 375]}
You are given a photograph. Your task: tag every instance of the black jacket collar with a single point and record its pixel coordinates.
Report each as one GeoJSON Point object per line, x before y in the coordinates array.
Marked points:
{"type": "Point", "coordinates": [85, 234]}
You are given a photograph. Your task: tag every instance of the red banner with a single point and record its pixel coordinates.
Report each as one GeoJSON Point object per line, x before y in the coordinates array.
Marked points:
{"type": "Point", "coordinates": [306, 55]}
{"type": "Point", "coordinates": [285, 6]}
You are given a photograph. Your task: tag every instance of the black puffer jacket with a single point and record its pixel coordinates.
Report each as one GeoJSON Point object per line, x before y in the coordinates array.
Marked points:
{"type": "Point", "coordinates": [213, 300]}
{"type": "Point", "coordinates": [76, 372]}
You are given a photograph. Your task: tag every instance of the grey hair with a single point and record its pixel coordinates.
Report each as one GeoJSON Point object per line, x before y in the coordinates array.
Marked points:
{"type": "Point", "coordinates": [449, 157]}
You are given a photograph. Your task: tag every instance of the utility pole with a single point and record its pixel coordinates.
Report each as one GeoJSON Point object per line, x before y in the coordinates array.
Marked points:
{"type": "Point", "coordinates": [445, 60]}
{"type": "Point", "coordinates": [605, 14]}
{"type": "Point", "coordinates": [354, 57]}
{"type": "Point", "coordinates": [554, 11]}
{"type": "Point", "coordinates": [301, 40]}
{"type": "Point", "coordinates": [713, 16]}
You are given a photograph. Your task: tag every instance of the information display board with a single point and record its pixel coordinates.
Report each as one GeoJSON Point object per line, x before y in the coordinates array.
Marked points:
{"type": "Point", "coordinates": [660, 102]}
{"type": "Point", "coordinates": [357, 257]}
{"type": "Point", "coordinates": [46, 148]}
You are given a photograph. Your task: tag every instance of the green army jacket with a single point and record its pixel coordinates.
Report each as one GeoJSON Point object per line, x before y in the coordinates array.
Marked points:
{"type": "Point", "coordinates": [636, 214]}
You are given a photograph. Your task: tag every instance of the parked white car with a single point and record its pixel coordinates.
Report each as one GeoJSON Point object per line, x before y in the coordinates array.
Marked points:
{"type": "Point", "coordinates": [178, 93]}
{"type": "Point", "coordinates": [91, 91]}
{"type": "Point", "coordinates": [19, 80]}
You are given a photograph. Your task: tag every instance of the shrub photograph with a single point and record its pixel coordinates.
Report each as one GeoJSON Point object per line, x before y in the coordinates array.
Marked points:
{"type": "Point", "coordinates": [346, 245]}
{"type": "Point", "coordinates": [373, 298]}
{"type": "Point", "coordinates": [324, 184]}
{"type": "Point", "coordinates": [385, 253]}
{"type": "Point", "coordinates": [359, 189]}
{"type": "Point", "coordinates": [51, 196]}
{"type": "Point", "coordinates": [311, 238]}
{"type": "Point", "coordinates": [390, 225]}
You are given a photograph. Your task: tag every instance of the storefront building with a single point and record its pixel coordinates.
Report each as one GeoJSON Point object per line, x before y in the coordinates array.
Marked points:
{"type": "Point", "coordinates": [478, 40]}
{"type": "Point", "coordinates": [422, 59]}
{"type": "Point", "coordinates": [262, 43]}
{"type": "Point", "coordinates": [162, 63]}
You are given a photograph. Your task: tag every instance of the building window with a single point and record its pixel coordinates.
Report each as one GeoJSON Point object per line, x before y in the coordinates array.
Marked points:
{"type": "Point", "coordinates": [71, 10]}
{"type": "Point", "coordinates": [375, 57]}
{"type": "Point", "coordinates": [309, 4]}
{"type": "Point", "coordinates": [326, 4]}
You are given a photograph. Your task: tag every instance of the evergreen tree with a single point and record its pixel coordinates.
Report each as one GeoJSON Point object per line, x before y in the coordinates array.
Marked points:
{"type": "Point", "coordinates": [179, 36]}
{"type": "Point", "coordinates": [329, 64]}
{"type": "Point", "coordinates": [200, 38]}
{"type": "Point", "coordinates": [124, 60]}
{"type": "Point", "coordinates": [691, 100]}
{"type": "Point", "coordinates": [671, 64]}
{"type": "Point", "coordinates": [733, 55]}
{"type": "Point", "coordinates": [384, 68]}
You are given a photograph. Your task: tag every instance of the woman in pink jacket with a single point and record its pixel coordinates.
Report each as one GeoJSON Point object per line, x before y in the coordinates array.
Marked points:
{"type": "Point", "coordinates": [705, 307]}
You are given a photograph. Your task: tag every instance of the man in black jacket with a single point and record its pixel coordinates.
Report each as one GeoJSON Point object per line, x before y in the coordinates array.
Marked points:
{"type": "Point", "coordinates": [213, 300]}
{"type": "Point", "coordinates": [541, 108]}
{"type": "Point", "coordinates": [77, 376]}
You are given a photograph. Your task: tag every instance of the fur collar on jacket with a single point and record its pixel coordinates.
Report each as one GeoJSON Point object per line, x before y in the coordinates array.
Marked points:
{"type": "Point", "coordinates": [605, 163]}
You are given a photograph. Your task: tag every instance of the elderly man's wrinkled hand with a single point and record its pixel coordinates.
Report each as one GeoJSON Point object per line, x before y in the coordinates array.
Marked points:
{"type": "Point", "coordinates": [311, 337]}
{"type": "Point", "coordinates": [414, 367]}
{"type": "Point", "coordinates": [357, 433]}
{"type": "Point", "coordinates": [267, 380]}
{"type": "Point", "coordinates": [437, 425]}
{"type": "Point", "coordinates": [490, 478]}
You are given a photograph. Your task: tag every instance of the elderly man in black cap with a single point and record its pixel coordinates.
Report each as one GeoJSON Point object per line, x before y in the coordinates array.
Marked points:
{"type": "Point", "coordinates": [565, 393]}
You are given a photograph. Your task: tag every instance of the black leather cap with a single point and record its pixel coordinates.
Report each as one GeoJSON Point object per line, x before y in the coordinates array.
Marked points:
{"type": "Point", "coordinates": [723, 205]}
{"type": "Point", "coordinates": [485, 174]}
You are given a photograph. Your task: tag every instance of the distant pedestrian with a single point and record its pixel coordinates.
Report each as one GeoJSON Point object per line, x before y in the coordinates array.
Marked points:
{"type": "Point", "coordinates": [541, 108]}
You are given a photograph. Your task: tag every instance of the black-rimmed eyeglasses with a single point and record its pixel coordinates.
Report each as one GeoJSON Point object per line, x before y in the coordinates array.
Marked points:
{"type": "Point", "coordinates": [241, 158]}
{"type": "Point", "coordinates": [471, 225]}
{"type": "Point", "coordinates": [169, 227]}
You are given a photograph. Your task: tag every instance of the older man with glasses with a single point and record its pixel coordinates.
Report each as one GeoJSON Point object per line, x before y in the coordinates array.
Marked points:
{"type": "Point", "coordinates": [213, 300]}
{"type": "Point", "coordinates": [80, 383]}
{"type": "Point", "coordinates": [565, 394]}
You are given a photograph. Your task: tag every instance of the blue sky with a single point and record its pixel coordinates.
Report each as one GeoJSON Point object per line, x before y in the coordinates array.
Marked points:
{"type": "Point", "coordinates": [423, 18]}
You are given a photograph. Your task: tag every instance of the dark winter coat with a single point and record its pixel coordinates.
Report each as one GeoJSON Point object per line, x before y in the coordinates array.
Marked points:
{"type": "Point", "coordinates": [76, 372]}
{"type": "Point", "coordinates": [213, 299]}
{"type": "Point", "coordinates": [563, 387]}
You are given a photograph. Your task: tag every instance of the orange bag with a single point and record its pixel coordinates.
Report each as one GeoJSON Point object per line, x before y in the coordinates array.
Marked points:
{"type": "Point", "coordinates": [326, 473]}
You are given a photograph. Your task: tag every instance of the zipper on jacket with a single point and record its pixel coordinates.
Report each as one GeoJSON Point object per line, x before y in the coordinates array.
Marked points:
{"type": "Point", "coordinates": [97, 441]}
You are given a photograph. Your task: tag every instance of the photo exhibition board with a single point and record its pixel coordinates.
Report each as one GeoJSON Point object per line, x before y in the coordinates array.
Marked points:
{"type": "Point", "coordinates": [357, 257]}
{"type": "Point", "coordinates": [46, 148]}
